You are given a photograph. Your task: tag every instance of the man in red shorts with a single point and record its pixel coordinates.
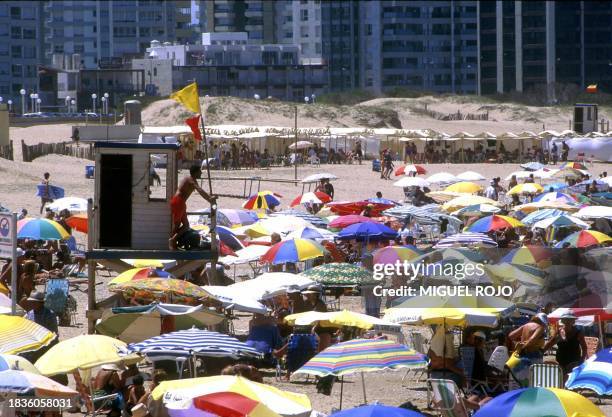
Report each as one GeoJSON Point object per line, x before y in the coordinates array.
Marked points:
{"type": "Point", "coordinates": [178, 204]}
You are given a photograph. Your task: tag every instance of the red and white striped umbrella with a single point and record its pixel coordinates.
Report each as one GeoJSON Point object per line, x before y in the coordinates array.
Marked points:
{"type": "Point", "coordinates": [407, 169]}
{"type": "Point", "coordinates": [317, 197]}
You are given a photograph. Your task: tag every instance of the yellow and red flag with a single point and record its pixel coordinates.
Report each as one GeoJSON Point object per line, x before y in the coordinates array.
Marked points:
{"type": "Point", "coordinates": [188, 97]}
{"type": "Point", "coordinates": [194, 124]}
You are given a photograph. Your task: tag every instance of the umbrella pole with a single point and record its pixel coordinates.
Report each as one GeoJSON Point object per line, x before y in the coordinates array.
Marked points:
{"type": "Point", "coordinates": [365, 400]}
{"type": "Point", "coordinates": [341, 390]}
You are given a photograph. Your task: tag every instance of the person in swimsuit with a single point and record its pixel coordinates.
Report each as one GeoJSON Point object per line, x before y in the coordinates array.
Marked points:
{"type": "Point", "coordinates": [178, 204]}
{"type": "Point", "coordinates": [529, 347]}
{"type": "Point", "coordinates": [571, 345]}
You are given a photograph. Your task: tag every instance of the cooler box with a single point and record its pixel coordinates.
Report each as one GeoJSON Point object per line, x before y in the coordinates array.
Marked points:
{"type": "Point", "coordinates": [376, 165]}
{"type": "Point", "coordinates": [89, 171]}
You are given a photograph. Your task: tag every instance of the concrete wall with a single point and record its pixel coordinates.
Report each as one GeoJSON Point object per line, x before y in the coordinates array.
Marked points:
{"type": "Point", "coordinates": [119, 133]}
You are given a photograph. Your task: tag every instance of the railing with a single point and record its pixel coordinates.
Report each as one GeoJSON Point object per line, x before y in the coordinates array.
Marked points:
{"type": "Point", "coordinates": [31, 152]}
{"type": "Point", "coordinates": [6, 151]}
{"type": "Point", "coordinates": [252, 185]}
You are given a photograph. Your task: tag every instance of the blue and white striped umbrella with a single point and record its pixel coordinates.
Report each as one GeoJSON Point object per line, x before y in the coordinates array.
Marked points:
{"type": "Point", "coordinates": [594, 374]}
{"type": "Point", "coordinates": [542, 214]}
{"type": "Point", "coordinates": [194, 342]}
{"type": "Point", "coordinates": [466, 239]}
{"type": "Point", "coordinates": [311, 218]}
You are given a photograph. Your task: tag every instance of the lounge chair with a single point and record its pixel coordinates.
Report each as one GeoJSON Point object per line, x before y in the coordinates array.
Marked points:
{"type": "Point", "coordinates": [545, 375]}
{"type": "Point", "coordinates": [448, 400]}
{"type": "Point", "coordinates": [417, 341]}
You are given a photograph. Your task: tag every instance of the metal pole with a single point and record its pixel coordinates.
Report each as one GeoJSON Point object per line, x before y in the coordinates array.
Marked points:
{"type": "Point", "coordinates": [341, 390]}
{"type": "Point", "coordinates": [14, 266]}
{"type": "Point", "coordinates": [213, 211]}
{"type": "Point", "coordinates": [295, 150]}
{"type": "Point", "coordinates": [365, 400]}
{"type": "Point", "coordinates": [91, 266]}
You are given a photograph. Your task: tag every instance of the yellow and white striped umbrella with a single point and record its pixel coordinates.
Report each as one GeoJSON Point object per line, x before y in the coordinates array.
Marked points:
{"type": "Point", "coordinates": [18, 335]}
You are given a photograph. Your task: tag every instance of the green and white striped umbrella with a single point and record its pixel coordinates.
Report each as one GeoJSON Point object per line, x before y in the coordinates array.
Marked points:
{"type": "Point", "coordinates": [340, 274]}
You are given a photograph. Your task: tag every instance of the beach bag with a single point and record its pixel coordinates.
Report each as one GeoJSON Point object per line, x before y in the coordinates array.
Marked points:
{"type": "Point", "coordinates": [513, 360]}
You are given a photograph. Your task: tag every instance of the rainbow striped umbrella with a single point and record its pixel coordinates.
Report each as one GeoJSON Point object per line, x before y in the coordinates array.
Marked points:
{"type": "Point", "coordinates": [594, 374]}
{"type": "Point", "coordinates": [494, 222]}
{"type": "Point", "coordinates": [262, 200]}
{"type": "Point", "coordinates": [362, 355]}
{"type": "Point", "coordinates": [584, 239]}
{"type": "Point", "coordinates": [539, 402]}
{"type": "Point", "coordinates": [294, 250]}
{"type": "Point", "coordinates": [528, 255]}
{"type": "Point", "coordinates": [135, 274]}
{"type": "Point", "coordinates": [393, 254]}
{"type": "Point", "coordinates": [20, 335]}
{"type": "Point", "coordinates": [573, 165]}
{"type": "Point", "coordinates": [40, 229]}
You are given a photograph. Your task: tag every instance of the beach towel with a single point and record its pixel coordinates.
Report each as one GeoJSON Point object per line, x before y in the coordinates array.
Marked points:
{"type": "Point", "coordinates": [519, 364]}
{"type": "Point", "coordinates": [54, 192]}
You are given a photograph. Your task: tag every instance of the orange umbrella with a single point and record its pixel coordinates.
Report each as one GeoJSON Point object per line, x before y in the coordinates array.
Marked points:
{"type": "Point", "coordinates": [78, 222]}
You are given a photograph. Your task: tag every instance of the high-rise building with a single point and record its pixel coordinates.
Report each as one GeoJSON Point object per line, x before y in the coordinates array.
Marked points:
{"type": "Point", "coordinates": [543, 44]}
{"type": "Point", "coordinates": [21, 49]}
{"type": "Point", "coordinates": [256, 17]}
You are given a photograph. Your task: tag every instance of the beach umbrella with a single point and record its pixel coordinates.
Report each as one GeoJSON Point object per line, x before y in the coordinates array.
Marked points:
{"type": "Point", "coordinates": [537, 215]}
{"type": "Point", "coordinates": [337, 319]}
{"type": "Point", "coordinates": [316, 197]}
{"type": "Point", "coordinates": [567, 173]}
{"type": "Point", "coordinates": [411, 182]}
{"type": "Point", "coordinates": [584, 239]}
{"type": "Point", "coordinates": [78, 222]}
{"type": "Point", "coordinates": [339, 274]}
{"type": "Point", "coordinates": [532, 166]}
{"type": "Point", "coordinates": [444, 196]}
{"type": "Point", "coordinates": [590, 314]}
{"type": "Point", "coordinates": [150, 263]}
{"type": "Point", "coordinates": [595, 212]}
{"type": "Point", "coordinates": [507, 272]}
{"type": "Point", "coordinates": [442, 178]}
{"type": "Point", "coordinates": [262, 200]}
{"type": "Point", "coordinates": [179, 395]}
{"type": "Point", "coordinates": [539, 402]}
{"type": "Point", "coordinates": [526, 188]}
{"type": "Point", "coordinates": [383, 201]}
{"type": "Point", "coordinates": [294, 250]}
{"type": "Point", "coordinates": [393, 254]}
{"type": "Point", "coordinates": [139, 273]}
{"type": "Point", "coordinates": [470, 176]}
{"type": "Point", "coordinates": [301, 215]}
{"type": "Point", "coordinates": [24, 383]}
{"type": "Point", "coordinates": [362, 355]}
{"type": "Point", "coordinates": [345, 221]}
{"type": "Point", "coordinates": [264, 287]}
{"type": "Point", "coordinates": [16, 363]}
{"type": "Point", "coordinates": [137, 323]}
{"type": "Point", "coordinates": [345, 208]}
{"type": "Point", "coordinates": [494, 222]}
{"type": "Point", "coordinates": [476, 210]}
{"type": "Point", "coordinates": [80, 352]}
{"type": "Point", "coordinates": [377, 410]}
{"type": "Point", "coordinates": [562, 220]}
{"type": "Point", "coordinates": [236, 217]}
{"type": "Point", "coordinates": [574, 165]}
{"type": "Point", "coordinates": [594, 374]}
{"type": "Point", "coordinates": [407, 169]}
{"type": "Point", "coordinates": [320, 176]}
{"type": "Point", "coordinates": [19, 335]}
{"type": "Point", "coordinates": [277, 224]}
{"type": "Point", "coordinates": [302, 144]}
{"type": "Point", "coordinates": [194, 342]}
{"type": "Point", "coordinates": [310, 233]}
{"type": "Point", "coordinates": [464, 187]}
{"type": "Point", "coordinates": [538, 205]}
{"type": "Point", "coordinates": [249, 254]}
{"type": "Point", "coordinates": [528, 255]}
{"type": "Point", "coordinates": [367, 231]}
{"type": "Point", "coordinates": [227, 236]}
{"type": "Point", "coordinates": [72, 204]}
{"type": "Point", "coordinates": [6, 304]}
{"type": "Point", "coordinates": [555, 186]}
{"type": "Point", "coordinates": [147, 290]}
{"type": "Point", "coordinates": [555, 196]}
{"type": "Point", "coordinates": [40, 229]}
{"type": "Point", "coordinates": [466, 239]}
{"type": "Point", "coordinates": [227, 404]}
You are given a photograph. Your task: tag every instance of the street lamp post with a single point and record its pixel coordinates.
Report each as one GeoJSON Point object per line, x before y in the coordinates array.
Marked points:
{"type": "Point", "coordinates": [67, 103]}
{"type": "Point", "coordinates": [313, 97]}
{"type": "Point", "coordinates": [38, 101]}
{"type": "Point", "coordinates": [72, 105]}
{"type": "Point", "coordinates": [306, 99]}
{"type": "Point", "coordinates": [94, 96]}
{"type": "Point", "coordinates": [32, 102]}
{"type": "Point", "coordinates": [106, 101]}
{"type": "Point", "coordinates": [22, 92]}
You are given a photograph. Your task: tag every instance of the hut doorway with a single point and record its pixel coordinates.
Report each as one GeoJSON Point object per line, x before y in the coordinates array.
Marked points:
{"type": "Point", "coordinates": [115, 205]}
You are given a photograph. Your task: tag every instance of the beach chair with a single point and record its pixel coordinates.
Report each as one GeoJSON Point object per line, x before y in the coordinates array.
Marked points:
{"type": "Point", "coordinates": [448, 400]}
{"type": "Point", "coordinates": [592, 345]}
{"type": "Point", "coordinates": [417, 341]}
{"type": "Point", "coordinates": [467, 356]}
{"type": "Point", "coordinates": [57, 299]}
{"type": "Point", "coordinates": [545, 375]}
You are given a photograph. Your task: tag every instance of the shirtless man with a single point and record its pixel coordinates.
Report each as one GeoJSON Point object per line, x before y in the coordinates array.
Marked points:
{"type": "Point", "coordinates": [178, 204]}
{"type": "Point", "coordinates": [529, 343]}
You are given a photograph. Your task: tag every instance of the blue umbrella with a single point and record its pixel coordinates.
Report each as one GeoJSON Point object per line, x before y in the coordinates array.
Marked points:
{"type": "Point", "coordinates": [594, 374]}
{"type": "Point", "coordinates": [556, 186]}
{"type": "Point", "coordinates": [607, 196]}
{"type": "Point", "coordinates": [194, 342]}
{"type": "Point", "coordinates": [310, 218]}
{"type": "Point", "coordinates": [227, 236]}
{"type": "Point", "coordinates": [555, 196]}
{"type": "Point", "coordinates": [381, 200]}
{"type": "Point", "coordinates": [367, 231]}
{"type": "Point", "coordinates": [377, 411]}
{"type": "Point", "coordinates": [538, 215]}
{"type": "Point", "coordinates": [532, 166]}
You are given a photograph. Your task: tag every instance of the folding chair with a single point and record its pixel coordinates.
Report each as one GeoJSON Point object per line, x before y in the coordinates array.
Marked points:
{"type": "Point", "coordinates": [467, 356]}
{"type": "Point", "coordinates": [57, 300]}
{"type": "Point", "coordinates": [499, 357]}
{"type": "Point", "coordinates": [545, 375]}
{"type": "Point", "coordinates": [417, 341]}
{"type": "Point", "coordinates": [448, 399]}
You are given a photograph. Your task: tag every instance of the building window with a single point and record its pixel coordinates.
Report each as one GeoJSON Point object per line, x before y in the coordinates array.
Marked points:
{"type": "Point", "coordinates": [16, 51]}
{"type": "Point", "coordinates": [28, 13]}
{"type": "Point", "coordinates": [15, 12]}
{"type": "Point", "coordinates": [15, 32]}
{"type": "Point", "coordinates": [17, 70]}
{"type": "Point", "coordinates": [79, 49]}
{"type": "Point", "coordinates": [304, 31]}
{"type": "Point", "coordinates": [4, 68]}
{"type": "Point", "coordinates": [29, 52]}
{"type": "Point", "coordinates": [157, 177]}
{"type": "Point", "coordinates": [4, 49]}
{"type": "Point", "coordinates": [303, 15]}
{"type": "Point", "coordinates": [29, 33]}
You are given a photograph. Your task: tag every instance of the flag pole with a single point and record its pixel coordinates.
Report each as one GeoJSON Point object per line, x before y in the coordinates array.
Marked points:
{"type": "Point", "coordinates": [213, 207]}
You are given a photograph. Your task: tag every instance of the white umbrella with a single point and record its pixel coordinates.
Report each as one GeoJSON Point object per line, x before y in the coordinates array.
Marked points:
{"type": "Point", "coordinates": [442, 178]}
{"type": "Point", "coordinates": [248, 254]}
{"type": "Point", "coordinates": [270, 285]}
{"type": "Point", "coordinates": [595, 212]}
{"type": "Point", "coordinates": [302, 144]}
{"type": "Point", "coordinates": [562, 220]}
{"type": "Point", "coordinates": [73, 204]}
{"type": "Point", "coordinates": [544, 173]}
{"type": "Point", "coordinates": [319, 177]}
{"type": "Point", "coordinates": [411, 182]}
{"type": "Point", "coordinates": [470, 176]}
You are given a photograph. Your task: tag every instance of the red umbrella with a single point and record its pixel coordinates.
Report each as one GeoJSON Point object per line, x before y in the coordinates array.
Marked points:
{"type": "Point", "coordinates": [317, 197]}
{"type": "Point", "coordinates": [356, 207]}
{"type": "Point", "coordinates": [78, 222]}
{"type": "Point", "coordinates": [406, 169]}
{"type": "Point", "coordinates": [344, 221]}
{"type": "Point", "coordinates": [232, 404]}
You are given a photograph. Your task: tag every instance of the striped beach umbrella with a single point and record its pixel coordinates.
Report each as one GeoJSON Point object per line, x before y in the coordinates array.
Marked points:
{"type": "Point", "coordinates": [194, 342]}
{"type": "Point", "coordinates": [562, 220]}
{"type": "Point", "coordinates": [555, 196]}
{"type": "Point", "coordinates": [408, 169]}
{"type": "Point", "coordinates": [17, 363]}
{"type": "Point", "coordinates": [393, 254]}
{"type": "Point", "coordinates": [262, 200]}
{"type": "Point", "coordinates": [573, 165]}
{"type": "Point", "coordinates": [477, 210]}
{"type": "Point", "coordinates": [528, 255]}
{"type": "Point", "coordinates": [294, 250]}
{"type": "Point", "coordinates": [594, 374]}
{"type": "Point", "coordinates": [539, 402]}
{"type": "Point", "coordinates": [345, 221]}
{"type": "Point", "coordinates": [526, 188]}
{"type": "Point", "coordinates": [32, 384]}
{"type": "Point", "coordinates": [135, 274]}
{"type": "Point", "coordinates": [20, 335]}
{"type": "Point", "coordinates": [310, 233]}
{"type": "Point", "coordinates": [316, 197]}
{"type": "Point", "coordinates": [466, 239]}
{"type": "Point", "coordinates": [584, 239]}
{"type": "Point", "coordinates": [541, 214]}
{"type": "Point", "coordinates": [494, 222]}
{"type": "Point", "coordinates": [40, 229]}
{"type": "Point", "coordinates": [339, 274]}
